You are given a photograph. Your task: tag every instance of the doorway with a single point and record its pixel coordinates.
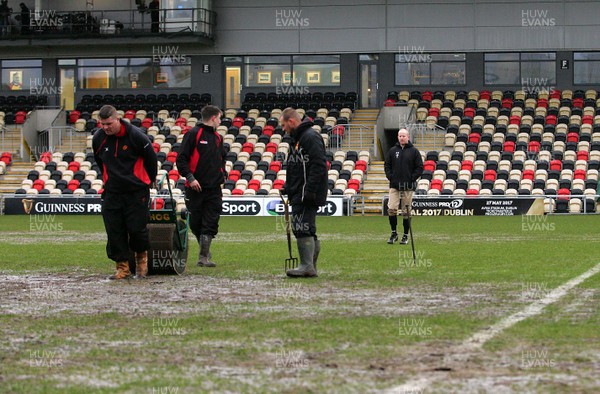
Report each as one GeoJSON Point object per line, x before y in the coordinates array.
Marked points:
{"type": "Point", "coordinates": [232, 86]}
{"type": "Point", "coordinates": [368, 81]}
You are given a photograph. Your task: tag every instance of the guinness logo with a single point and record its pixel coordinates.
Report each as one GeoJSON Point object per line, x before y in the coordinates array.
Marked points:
{"type": "Point", "coordinates": [27, 205]}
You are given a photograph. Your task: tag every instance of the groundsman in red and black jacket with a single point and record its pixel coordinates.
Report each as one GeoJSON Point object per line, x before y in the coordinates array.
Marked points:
{"type": "Point", "coordinates": [128, 164]}
{"type": "Point", "coordinates": [201, 160]}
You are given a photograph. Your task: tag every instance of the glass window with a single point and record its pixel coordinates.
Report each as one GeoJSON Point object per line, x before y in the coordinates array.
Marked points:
{"type": "Point", "coordinates": [420, 68]}
{"type": "Point", "coordinates": [531, 70]}
{"type": "Point", "coordinates": [501, 73]}
{"type": "Point", "coordinates": [174, 77]}
{"type": "Point", "coordinates": [586, 68]}
{"type": "Point", "coordinates": [96, 77]}
{"type": "Point", "coordinates": [301, 71]}
{"type": "Point", "coordinates": [19, 75]}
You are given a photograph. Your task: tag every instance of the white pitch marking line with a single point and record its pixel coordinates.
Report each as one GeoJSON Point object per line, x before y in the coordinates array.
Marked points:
{"type": "Point", "coordinates": [477, 340]}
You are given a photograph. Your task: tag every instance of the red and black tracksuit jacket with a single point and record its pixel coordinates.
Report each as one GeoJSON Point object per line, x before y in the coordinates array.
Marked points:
{"type": "Point", "coordinates": [202, 157]}
{"type": "Point", "coordinates": [127, 159]}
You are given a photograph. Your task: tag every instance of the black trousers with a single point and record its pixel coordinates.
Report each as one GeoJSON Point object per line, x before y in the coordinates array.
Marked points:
{"type": "Point", "coordinates": [304, 220]}
{"type": "Point", "coordinates": [126, 222]}
{"type": "Point", "coordinates": [205, 210]}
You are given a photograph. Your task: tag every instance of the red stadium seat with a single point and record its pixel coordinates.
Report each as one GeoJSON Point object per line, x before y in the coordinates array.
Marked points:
{"type": "Point", "coordinates": [278, 183]}
{"type": "Point", "coordinates": [354, 184]}
{"type": "Point", "coordinates": [433, 111]}
{"type": "Point", "coordinates": [6, 157]}
{"type": "Point", "coordinates": [275, 166]}
{"type": "Point", "coordinates": [254, 184]}
{"type": "Point", "coordinates": [467, 165]}
{"type": "Point", "coordinates": [237, 122]}
{"type": "Point", "coordinates": [489, 175]}
{"type": "Point", "coordinates": [533, 146]}
{"type": "Point", "coordinates": [130, 114]}
{"type": "Point", "coordinates": [172, 157]}
{"type": "Point", "coordinates": [436, 184]}
{"type": "Point", "coordinates": [429, 165]}
{"type": "Point", "coordinates": [577, 174]}
{"type": "Point", "coordinates": [73, 116]}
{"type": "Point", "coordinates": [528, 174]}
{"type": "Point", "coordinates": [180, 122]}
{"type": "Point", "coordinates": [46, 157]}
{"type": "Point", "coordinates": [74, 166]}
{"type": "Point", "coordinates": [147, 122]}
{"type": "Point", "coordinates": [572, 137]}
{"type": "Point", "coordinates": [248, 147]}
{"type": "Point", "coordinates": [156, 147]}
{"type": "Point", "coordinates": [472, 192]}
{"type": "Point", "coordinates": [485, 95]}
{"type": "Point", "coordinates": [234, 175]}
{"type": "Point", "coordinates": [73, 184]}
{"type": "Point", "coordinates": [509, 146]}
{"type": "Point", "coordinates": [361, 165]}
{"type": "Point", "coordinates": [507, 103]}
{"type": "Point", "coordinates": [583, 155]}
{"type": "Point", "coordinates": [469, 112]}
{"type": "Point", "coordinates": [474, 137]}
{"type": "Point", "coordinates": [20, 117]}
{"type": "Point", "coordinates": [563, 194]}
{"type": "Point", "coordinates": [542, 102]}
{"type": "Point", "coordinates": [587, 119]}
{"type": "Point", "coordinates": [157, 203]}
{"type": "Point", "coordinates": [271, 147]}
{"type": "Point", "coordinates": [338, 130]}
{"type": "Point", "coordinates": [389, 103]}
{"type": "Point", "coordinates": [237, 192]}
{"type": "Point", "coordinates": [577, 102]}
{"type": "Point", "coordinates": [556, 165]}
{"type": "Point", "coordinates": [515, 119]}
{"type": "Point", "coordinates": [174, 175]}
{"type": "Point", "coordinates": [38, 184]}
{"type": "Point", "coordinates": [427, 95]}
{"type": "Point", "coordinates": [555, 94]}
{"type": "Point", "coordinates": [551, 119]}
{"type": "Point", "coordinates": [268, 130]}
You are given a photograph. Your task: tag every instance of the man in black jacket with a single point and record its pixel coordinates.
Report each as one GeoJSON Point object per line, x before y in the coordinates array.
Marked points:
{"type": "Point", "coordinates": [306, 187]}
{"type": "Point", "coordinates": [128, 164]}
{"type": "Point", "coordinates": [403, 166]}
{"type": "Point", "coordinates": [201, 161]}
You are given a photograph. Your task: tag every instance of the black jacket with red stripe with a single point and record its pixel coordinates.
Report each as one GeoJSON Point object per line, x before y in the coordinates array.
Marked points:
{"type": "Point", "coordinates": [202, 157]}
{"type": "Point", "coordinates": [127, 160]}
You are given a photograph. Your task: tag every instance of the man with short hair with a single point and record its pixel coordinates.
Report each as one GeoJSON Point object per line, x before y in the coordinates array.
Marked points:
{"type": "Point", "coordinates": [128, 164]}
{"type": "Point", "coordinates": [306, 187]}
{"type": "Point", "coordinates": [403, 167]}
{"type": "Point", "coordinates": [201, 161]}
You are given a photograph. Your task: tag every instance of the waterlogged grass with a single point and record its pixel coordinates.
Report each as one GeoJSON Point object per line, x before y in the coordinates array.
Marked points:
{"type": "Point", "coordinates": [307, 337]}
